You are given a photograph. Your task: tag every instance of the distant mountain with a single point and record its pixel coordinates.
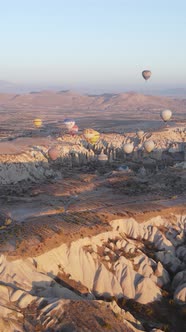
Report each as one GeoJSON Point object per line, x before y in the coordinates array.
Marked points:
{"type": "Point", "coordinates": [69, 100]}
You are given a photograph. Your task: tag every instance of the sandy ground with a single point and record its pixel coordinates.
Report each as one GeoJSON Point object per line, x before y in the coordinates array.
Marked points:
{"type": "Point", "coordinates": [130, 110]}
{"type": "Point", "coordinates": [84, 203]}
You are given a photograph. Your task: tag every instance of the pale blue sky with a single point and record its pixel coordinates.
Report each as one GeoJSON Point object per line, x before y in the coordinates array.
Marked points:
{"type": "Point", "coordinates": [104, 43]}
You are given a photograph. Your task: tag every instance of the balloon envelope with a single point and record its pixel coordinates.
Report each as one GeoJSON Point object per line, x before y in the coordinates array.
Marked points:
{"type": "Point", "coordinates": [166, 115]}
{"type": "Point", "coordinates": [128, 148]}
{"type": "Point", "coordinates": [140, 134]}
{"type": "Point", "coordinates": [74, 130]}
{"type": "Point", "coordinates": [149, 146]}
{"type": "Point", "coordinates": [92, 136]}
{"type": "Point", "coordinates": [146, 74]}
{"type": "Point", "coordinates": [69, 123]}
{"type": "Point", "coordinates": [53, 153]}
{"type": "Point", "coordinates": [37, 123]}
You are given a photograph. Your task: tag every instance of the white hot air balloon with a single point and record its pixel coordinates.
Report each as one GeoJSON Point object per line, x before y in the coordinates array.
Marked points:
{"type": "Point", "coordinates": [166, 115]}
{"type": "Point", "coordinates": [140, 134]}
{"type": "Point", "coordinates": [149, 146]}
{"type": "Point", "coordinates": [69, 123]}
{"type": "Point", "coordinates": [128, 148]}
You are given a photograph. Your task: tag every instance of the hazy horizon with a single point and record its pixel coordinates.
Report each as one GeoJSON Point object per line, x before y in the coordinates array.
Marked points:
{"type": "Point", "coordinates": [147, 89]}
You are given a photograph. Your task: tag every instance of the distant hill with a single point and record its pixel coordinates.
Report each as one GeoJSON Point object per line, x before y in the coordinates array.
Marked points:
{"type": "Point", "coordinates": [69, 100]}
{"type": "Point", "coordinates": [118, 112]}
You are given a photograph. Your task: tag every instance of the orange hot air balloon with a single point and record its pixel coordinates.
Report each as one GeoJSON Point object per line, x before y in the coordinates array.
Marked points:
{"type": "Point", "coordinates": [37, 123]}
{"type": "Point", "coordinates": [146, 74]}
{"type": "Point", "coordinates": [92, 136]}
{"type": "Point", "coordinates": [53, 153]}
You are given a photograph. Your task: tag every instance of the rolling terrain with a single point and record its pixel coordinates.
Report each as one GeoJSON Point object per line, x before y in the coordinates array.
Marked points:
{"type": "Point", "coordinates": [86, 244]}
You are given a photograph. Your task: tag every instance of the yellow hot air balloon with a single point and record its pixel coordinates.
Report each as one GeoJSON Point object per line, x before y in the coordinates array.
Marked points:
{"type": "Point", "coordinates": [146, 74]}
{"type": "Point", "coordinates": [92, 136]}
{"type": "Point", "coordinates": [37, 123]}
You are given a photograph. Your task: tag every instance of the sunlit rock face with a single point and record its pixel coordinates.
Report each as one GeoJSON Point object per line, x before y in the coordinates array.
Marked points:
{"type": "Point", "coordinates": [131, 261]}
{"type": "Point", "coordinates": [114, 263]}
{"type": "Point", "coordinates": [124, 269]}
{"type": "Point", "coordinates": [30, 160]}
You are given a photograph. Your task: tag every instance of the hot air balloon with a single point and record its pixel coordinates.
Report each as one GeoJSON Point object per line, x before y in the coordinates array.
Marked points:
{"type": "Point", "coordinates": [166, 115]}
{"type": "Point", "coordinates": [128, 148]}
{"type": "Point", "coordinates": [69, 123]}
{"type": "Point", "coordinates": [149, 146]}
{"type": "Point", "coordinates": [53, 153]}
{"type": "Point", "coordinates": [103, 157]}
{"type": "Point", "coordinates": [92, 136]}
{"type": "Point", "coordinates": [74, 130]}
{"type": "Point", "coordinates": [140, 134]}
{"type": "Point", "coordinates": [37, 123]}
{"type": "Point", "coordinates": [146, 74]}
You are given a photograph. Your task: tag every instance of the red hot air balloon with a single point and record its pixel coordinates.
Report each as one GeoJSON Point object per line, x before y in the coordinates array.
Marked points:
{"type": "Point", "coordinates": [74, 130]}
